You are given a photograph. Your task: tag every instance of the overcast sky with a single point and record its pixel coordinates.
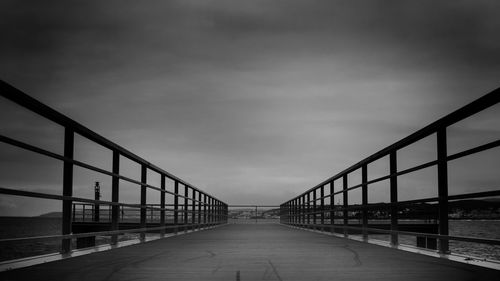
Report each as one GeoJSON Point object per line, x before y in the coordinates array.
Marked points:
{"type": "Point", "coordinates": [252, 101]}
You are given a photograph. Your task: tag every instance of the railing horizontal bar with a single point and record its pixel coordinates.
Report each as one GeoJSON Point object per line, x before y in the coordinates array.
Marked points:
{"type": "Point", "coordinates": [476, 149]}
{"type": "Point", "coordinates": [470, 109]}
{"type": "Point", "coordinates": [82, 164]}
{"type": "Point", "coordinates": [25, 193]}
{"type": "Point", "coordinates": [475, 195]}
{"type": "Point", "coordinates": [410, 233]}
{"type": "Point", "coordinates": [100, 233]}
{"type": "Point", "coordinates": [338, 208]}
{"type": "Point", "coordinates": [36, 106]}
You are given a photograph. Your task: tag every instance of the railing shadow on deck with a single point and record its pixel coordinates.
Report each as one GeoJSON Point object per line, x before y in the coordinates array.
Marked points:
{"type": "Point", "coordinates": [192, 208]}
{"type": "Point", "coordinates": [427, 219]}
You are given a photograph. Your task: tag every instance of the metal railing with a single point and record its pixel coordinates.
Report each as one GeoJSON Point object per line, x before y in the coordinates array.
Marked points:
{"type": "Point", "coordinates": [310, 210]}
{"type": "Point", "coordinates": [198, 210]}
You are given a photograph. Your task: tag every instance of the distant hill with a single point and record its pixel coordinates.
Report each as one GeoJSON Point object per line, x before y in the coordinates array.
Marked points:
{"type": "Point", "coordinates": [52, 215]}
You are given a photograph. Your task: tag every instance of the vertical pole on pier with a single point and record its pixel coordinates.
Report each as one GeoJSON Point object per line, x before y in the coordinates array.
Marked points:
{"type": "Point", "coordinates": [364, 199]}
{"type": "Point", "coordinates": [199, 208]}
{"type": "Point", "coordinates": [314, 206]}
{"type": "Point", "coordinates": [209, 202]}
{"type": "Point", "coordinates": [442, 155]}
{"type": "Point", "coordinates": [162, 205]}
{"type": "Point", "coordinates": [308, 208]}
{"type": "Point", "coordinates": [332, 205]}
{"type": "Point", "coordinates": [322, 204]}
{"type": "Point", "coordinates": [186, 195]}
{"type": "Point", "coordinates": [304, 209]}
{"type": "Point", "coordinates": [69, 143]}
{"type": "Point", "coordinates": [212, 209]}
{"type": "Point", "coordinates": [176, 203]}
{"type": "Point", "coordinates": [297, 210]}
{"type": "Point", "coordinates": [115, 189]}
{"type": "Point", "coordinates": [204, 208]}
{"type": "Point", "coordinates": [346, 204]}
{"type": "Point", "coordinates": [296, 218]}
{"type": "Point", "coordinates": [143, 199]}
{"type": "Point", "coordinates": [393, 170]}
{"type": "Point", "coordinates": [193, 207]}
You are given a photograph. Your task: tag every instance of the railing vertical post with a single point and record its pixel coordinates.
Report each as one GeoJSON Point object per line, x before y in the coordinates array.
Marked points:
{"type": "Point", "coordinates": [304, 209]}
{"type": "Point", "coordinates": [322, 204]}
{"type": "Point", "coordinates": [162, 205]}
{"type": "Point", "coordinates": [216, 211]}
{"type": "Point", "coordinates": [393, 169]}
{"type": "Point", "coordinates": [346, 204]}
{"type": "Point", "coordinates": [442, 188]}
{"type": "Point", "coordinates": [315, 209]}
{"type": "Point", "coordinates": [308, 208]}
{"type": "Point", "coordinates": [290, 212]}
{"type": "Point", "coordinates": [332, 205]}
{"type": "Point", "coordinates": [296, 211]}
{"type": "Point", "coordinates": [212, 210]}
{"type": "Point", "coordinates": [186, 195]}
{"type": "Point", "coordinates": [193, 207]}
{"type": "Point", "coordinates": [364, 200]}
{"type": "Point", "coordinates": [204, 208]}
{"type": "Point", "coordinates": [115, 192]}
{"type": "Point", "coordinates": [176, 203]}
{"type": "Point", "coordinates": [199, 208]}
{"type": "Point", "coordinates": [143, 199]}
{"type": "Point", "coordinates": [210, 217]}
{"type": "Point", "coordinates": [69, 143]}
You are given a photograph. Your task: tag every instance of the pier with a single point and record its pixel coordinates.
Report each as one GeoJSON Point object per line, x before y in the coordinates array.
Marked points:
{"type": "Point", "coordinates": [315, 238]}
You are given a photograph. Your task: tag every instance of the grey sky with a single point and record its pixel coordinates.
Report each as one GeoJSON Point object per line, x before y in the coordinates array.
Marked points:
{"type": "Point", "coordinates": [242, 97]}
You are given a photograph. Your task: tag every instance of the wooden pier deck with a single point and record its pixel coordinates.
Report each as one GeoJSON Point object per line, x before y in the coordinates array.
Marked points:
{"type": "Point", "coordinates": [253, 252]}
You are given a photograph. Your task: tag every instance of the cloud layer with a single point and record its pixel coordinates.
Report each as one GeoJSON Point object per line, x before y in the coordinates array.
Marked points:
{"type": "Point", "coordinates": [244, 98]}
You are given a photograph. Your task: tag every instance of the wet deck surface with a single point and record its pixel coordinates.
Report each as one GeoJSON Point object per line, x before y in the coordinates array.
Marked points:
{"type": "Point", "coordinates": [253, 252]}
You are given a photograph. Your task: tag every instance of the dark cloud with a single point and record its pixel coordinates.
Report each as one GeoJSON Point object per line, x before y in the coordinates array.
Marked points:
{"type": "Point", "coordinates": [250, 95]}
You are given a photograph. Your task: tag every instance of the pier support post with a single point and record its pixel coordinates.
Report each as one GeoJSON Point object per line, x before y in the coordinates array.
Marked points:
{"type": "Point", "coordinates": [143, 199]}
{"type": "Point", "coordinates": [193, 208]}
{"type": "Point", "coordinates": [346, 204]}
{"type": "Point", "coordinates": [186, 213]}
{"type": "Point", "coordinates": [332, 206]}
{"type": "Point", "coordinates": [308, 208]}
{"type": "Point", "coordinates": [199, 209]}
{"type": "Point", "coordinates": [314, 207]}
{"type": "Point", "coordinates": [162, 205]}
{"type": "Point", "coordinates": [393, 169]}
{"type": "Point", "coordinates": [364, 200]}
{"type": "Point", "coordinates": [442, 189]}
{"type": "Point", "coordinates": [115, 209]}
{"type": "Point", "coordinates": [69, 143]}
{"type": "Point", "coordinates": [204, 209]}
{"type": "Point", "coordinates": [322, 205]}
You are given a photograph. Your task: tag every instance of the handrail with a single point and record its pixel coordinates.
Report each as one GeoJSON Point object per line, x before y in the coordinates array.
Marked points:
{"type": "Point", "coordinates": [472, 108]}
{"type": "Point", "coordinates": [24, 100]}
{"type": "Point", "coordinates": [308, 210]}
{"type": "Point", "coordinates": [198, 210]}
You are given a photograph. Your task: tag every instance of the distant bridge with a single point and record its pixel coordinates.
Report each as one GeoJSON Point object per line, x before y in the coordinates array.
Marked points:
{"type": "Point", "coordinates": [310, 242]}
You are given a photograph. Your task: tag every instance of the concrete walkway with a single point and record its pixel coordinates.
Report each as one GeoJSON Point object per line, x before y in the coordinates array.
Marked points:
{"type": "Point", "coordinates": [253, 252]}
